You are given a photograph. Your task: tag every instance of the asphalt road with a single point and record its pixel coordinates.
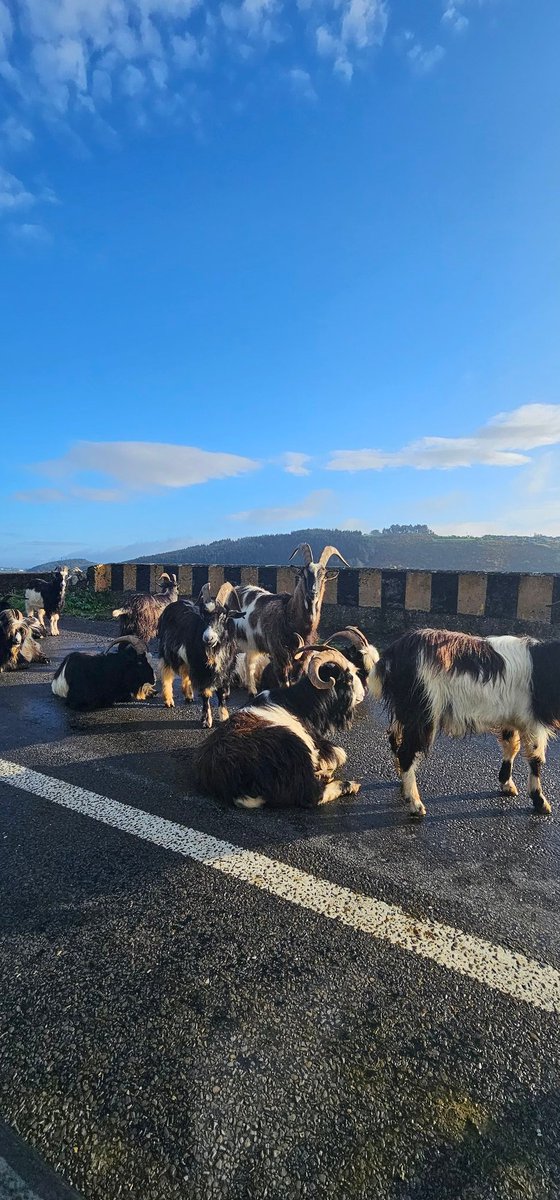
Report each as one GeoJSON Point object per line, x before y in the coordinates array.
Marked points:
{"type": "Point", "coordinates": [168, 1032]}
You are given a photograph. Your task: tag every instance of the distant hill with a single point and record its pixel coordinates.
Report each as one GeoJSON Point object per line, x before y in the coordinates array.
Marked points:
{"type": "Point", "coordinates": [414, 547]}
{"type": "Point", "coordinates": [60, 562]}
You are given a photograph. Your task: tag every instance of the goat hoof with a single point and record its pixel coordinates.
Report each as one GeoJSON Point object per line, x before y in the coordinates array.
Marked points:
{"type": "Point", "coordinates": [417, 811]}
{"type": "Point", "coordinates": [223, 713]}
{"type": "Point", "coordinates": [169, 703]}
{"type": "Point", "coordinates": [509, 788]}
{"type": "Point", "coordinates": [351, 787]}
{"type": "Point", "coordinates": [540, 803]}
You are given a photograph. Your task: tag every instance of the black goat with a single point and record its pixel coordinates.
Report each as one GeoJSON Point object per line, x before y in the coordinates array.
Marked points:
{"type": "Point", "coordinates": [88, 681]}
{"type": "Point", "coordinates": [197, 642]}
{"type": "Point", "coordinates": [141, 613]}
{"type": "Point", "coordinates": [46, 598]}
{"type": "Point", "coordinates": [270, 623]}
{"type": "Point", "coordinates": [276, 751]}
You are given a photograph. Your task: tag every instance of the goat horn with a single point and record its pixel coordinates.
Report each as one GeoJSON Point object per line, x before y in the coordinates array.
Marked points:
{"type": "Point", "coordinates": [224, 592]}
{"type": "Point", "coordinates": [205, 594]}
{"type": "Point", "coordinates": [305, 550]}
{"type": "Point", "coordinates": [328, 552]}
{"type": "Point", "coordinates": [134, 641]}
{"type": "Point", "coordinates": [317, 660]}
{"type": "Point", "coordinates": [164, 575]}
{"type": "Point", "coordinates": [352, 634]}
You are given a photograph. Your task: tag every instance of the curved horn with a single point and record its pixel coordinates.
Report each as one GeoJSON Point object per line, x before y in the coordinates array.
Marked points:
{"type": "Point", "coordinates": [205, 594]}
{"type": "Point", "coordinates": [164, 575]}
{"type": "Point", "coordinates": [305, 549]}
{"type": "Point", "coordinates": [352, 634]}
{"type": "Point", "coordinates": [328, 552]}
{"type": "Point", "coordinates": [317, 660]}
{"type": "Point", "coordinates": [134, 641]}
{"type": "Point", "coordinates": [225, 592]}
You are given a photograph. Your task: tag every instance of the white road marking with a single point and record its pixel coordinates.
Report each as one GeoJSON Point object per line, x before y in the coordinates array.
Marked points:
{"type": "Point", "coordinates": [512, 974]}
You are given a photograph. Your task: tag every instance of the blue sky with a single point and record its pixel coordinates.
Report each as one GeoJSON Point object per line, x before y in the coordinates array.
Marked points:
{"type": "Point", "coordinates": [269, 265]}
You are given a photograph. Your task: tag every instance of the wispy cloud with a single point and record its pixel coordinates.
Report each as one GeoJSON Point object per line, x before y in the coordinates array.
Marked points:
{"type": "Point", "coordinates": [454, 18]}
{"type": "Point", "coordinates": [421, 59]}
{"type": "Point", "coordinates": [302, 510]}
{"type": "Point", "coordinates": [141, 467]}
{"type": "Point", "coordinates": [503, 442]}
{"type": "Point", "coordinates": [15, 134]}
{"type": "Point", "coordinates": [14, 196]}
{"type": "Point", "coordinates": [31, 233]}
{"type": "Point", "coordinates": [295, 463]}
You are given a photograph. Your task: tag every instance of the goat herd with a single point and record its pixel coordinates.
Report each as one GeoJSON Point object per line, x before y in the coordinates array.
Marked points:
{"type": "Point", "coordinates": [277, 750]}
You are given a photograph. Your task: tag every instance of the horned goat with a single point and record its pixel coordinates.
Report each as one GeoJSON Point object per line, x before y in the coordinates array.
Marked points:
{"type": "Point", "coordinates": [434, 681]}
{"type": "Point", "coordinates": [270, 622]}
{"type": "Point", "coordinates": [197, 642]}
{"type": "Point", "coordinates": [141, 613]}
{"type": "Point", "coordinates": [276, 751]}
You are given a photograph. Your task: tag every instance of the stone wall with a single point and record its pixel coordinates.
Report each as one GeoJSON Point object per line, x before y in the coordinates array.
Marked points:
{"type": "Point", "coordinates": [383, 603]}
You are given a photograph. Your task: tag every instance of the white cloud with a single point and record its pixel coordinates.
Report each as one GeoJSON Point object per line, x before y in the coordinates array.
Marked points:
{"type": "Point", "coordinates": [422, 60]}
{"type": "Point", "coordinates": [15, 134]}
{"type": "Point", "coordinates": [301, 83]}
{"type": "Point", "coordinates": [31, 233]}
{"type": "Point", "coordinates": [13, 193]}
{"type": "Point", "coordinates": [302, 510]}
{"type": "Point", "coordinates": [501, 443]}
{"type": "Point", "coordinates": [145, 466]}
{"type": "Point", "coordinates": [294, 462]}
{"type": "Point", "coordinates": [454, 18]}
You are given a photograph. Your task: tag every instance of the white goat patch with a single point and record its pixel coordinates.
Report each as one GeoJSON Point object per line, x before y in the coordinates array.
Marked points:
{"type": "Point", "coordinates": [274, 715]}
{"type": "Point", "coordinates": [460, 704]}
{"type": "Point", "coordinates": [59, 686]}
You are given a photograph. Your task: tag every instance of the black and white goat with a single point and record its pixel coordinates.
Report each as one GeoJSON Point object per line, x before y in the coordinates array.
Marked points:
{"type": "Point", "coordinates": [433, 681]}
{"type": "Point", "coordinates": [89, 681]}
{"type": "Point", "coordinates": [46, 599]}
{"type": "Point", "coordinates": [359, 651]}
{"type": "Point", "coordinates": [270, 622]}
{"type": "Point", "coordinates": [276, 751]}
{"type": "Point", "coordinates": [140, 615]}
{"type": "Point", "coordinates": [197, 642]}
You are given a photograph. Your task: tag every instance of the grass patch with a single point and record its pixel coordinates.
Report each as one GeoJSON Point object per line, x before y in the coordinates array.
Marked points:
{"type": "Point", "coordinates": [97, 606]}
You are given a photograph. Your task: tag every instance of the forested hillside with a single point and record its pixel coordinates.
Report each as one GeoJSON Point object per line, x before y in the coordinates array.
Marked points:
{"type": "Point", "coordinates": [414, 547]}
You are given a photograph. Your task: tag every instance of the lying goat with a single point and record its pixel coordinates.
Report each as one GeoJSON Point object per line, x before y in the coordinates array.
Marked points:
{"type": "Point", "coordinates": [31, 650]}
{"type": "Point", "coordinates": [270, 622]}
{"type": "Point", "coordinates": [141, 613]}
{"type": "Point", "coordinates": [433, 681]}
{"type": "Point", "coordinates": [13, 634]}
{"type": "Point", "coordinates": [88, 681]}
{"type": "Point", "coordinates": [197, 642]}
{"type": "Point", "coordinates": [46, 598]}
{"type": "Point", "coordinates": [276, 752]}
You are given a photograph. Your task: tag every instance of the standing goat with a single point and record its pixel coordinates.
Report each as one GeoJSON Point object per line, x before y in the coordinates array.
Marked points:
{"type": "Point", "coordinates": [270, 622]}
{"type": "Point", "coordinates": [197, 642]}
{"type": "Point", "coordinates": [141, 614]}
{"type": "Point", "coordinates": [433, 681]}
{"type": "Point", "coordinates": [46, 598]}
{"type": "Point", "coordinates": [276, 751]}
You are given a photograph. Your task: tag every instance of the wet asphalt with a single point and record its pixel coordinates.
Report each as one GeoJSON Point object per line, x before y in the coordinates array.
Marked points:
{"type": "Point", "coordinates": [167, 1033]}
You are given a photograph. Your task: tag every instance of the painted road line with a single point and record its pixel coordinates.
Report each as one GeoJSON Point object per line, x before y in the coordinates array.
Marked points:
{"type": "Point", "coordinates": [512, 974]}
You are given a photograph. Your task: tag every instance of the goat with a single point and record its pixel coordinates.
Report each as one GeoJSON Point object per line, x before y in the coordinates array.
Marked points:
{"type": "Point", "coordinates": [47, 597]}
{"type": "Point", "coordinates": [12, 637]}
{"type": "Point", "coordinates": [360, 652]}
{"type": "Point", "coordinates": [197, 642]}
{"type": "Point", "coordinates": [276, 751]}
{"type": "Point", "coordinates": [433, 681]}
{"type": "Point", "coordinates": [141, 613]}
{"type": "Point", "coordinates": [30, 650]}
{"type": "Point", "coordinates": [270, 621]}
{"type": "Point", "coordinates": [89, 681]}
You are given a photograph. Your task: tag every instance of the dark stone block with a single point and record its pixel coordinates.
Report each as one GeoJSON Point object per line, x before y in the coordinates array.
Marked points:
{"type": "Point", "coordinates": [555, 610]}
{"type": "Point", "coordinates": [268, 578]}
{"type": "Point", "coordinates": [445, 589]}
{"type": "Point", "coordinates": [501, 596]}
{"type": "Point", "coordinates": [232, 575]}
{"type": "Point", "coordinates": [117, 577]}
{"type": "Point", "coordinates": [143, 577]}
{"type": "Point", "coordinates": [348, 587]}
{"type": "Point", "coordinates": [393, 591]}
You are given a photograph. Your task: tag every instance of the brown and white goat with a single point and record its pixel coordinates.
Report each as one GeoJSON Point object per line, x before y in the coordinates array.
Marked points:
{"type": "Point", "coordinates": [271, 622]}
{"type": "Point", "coordinates": [434, 681]}
{"type": "Point", "coordinates": [140, 615]}
{"type": "Point", "coordinates": [276, 751]}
